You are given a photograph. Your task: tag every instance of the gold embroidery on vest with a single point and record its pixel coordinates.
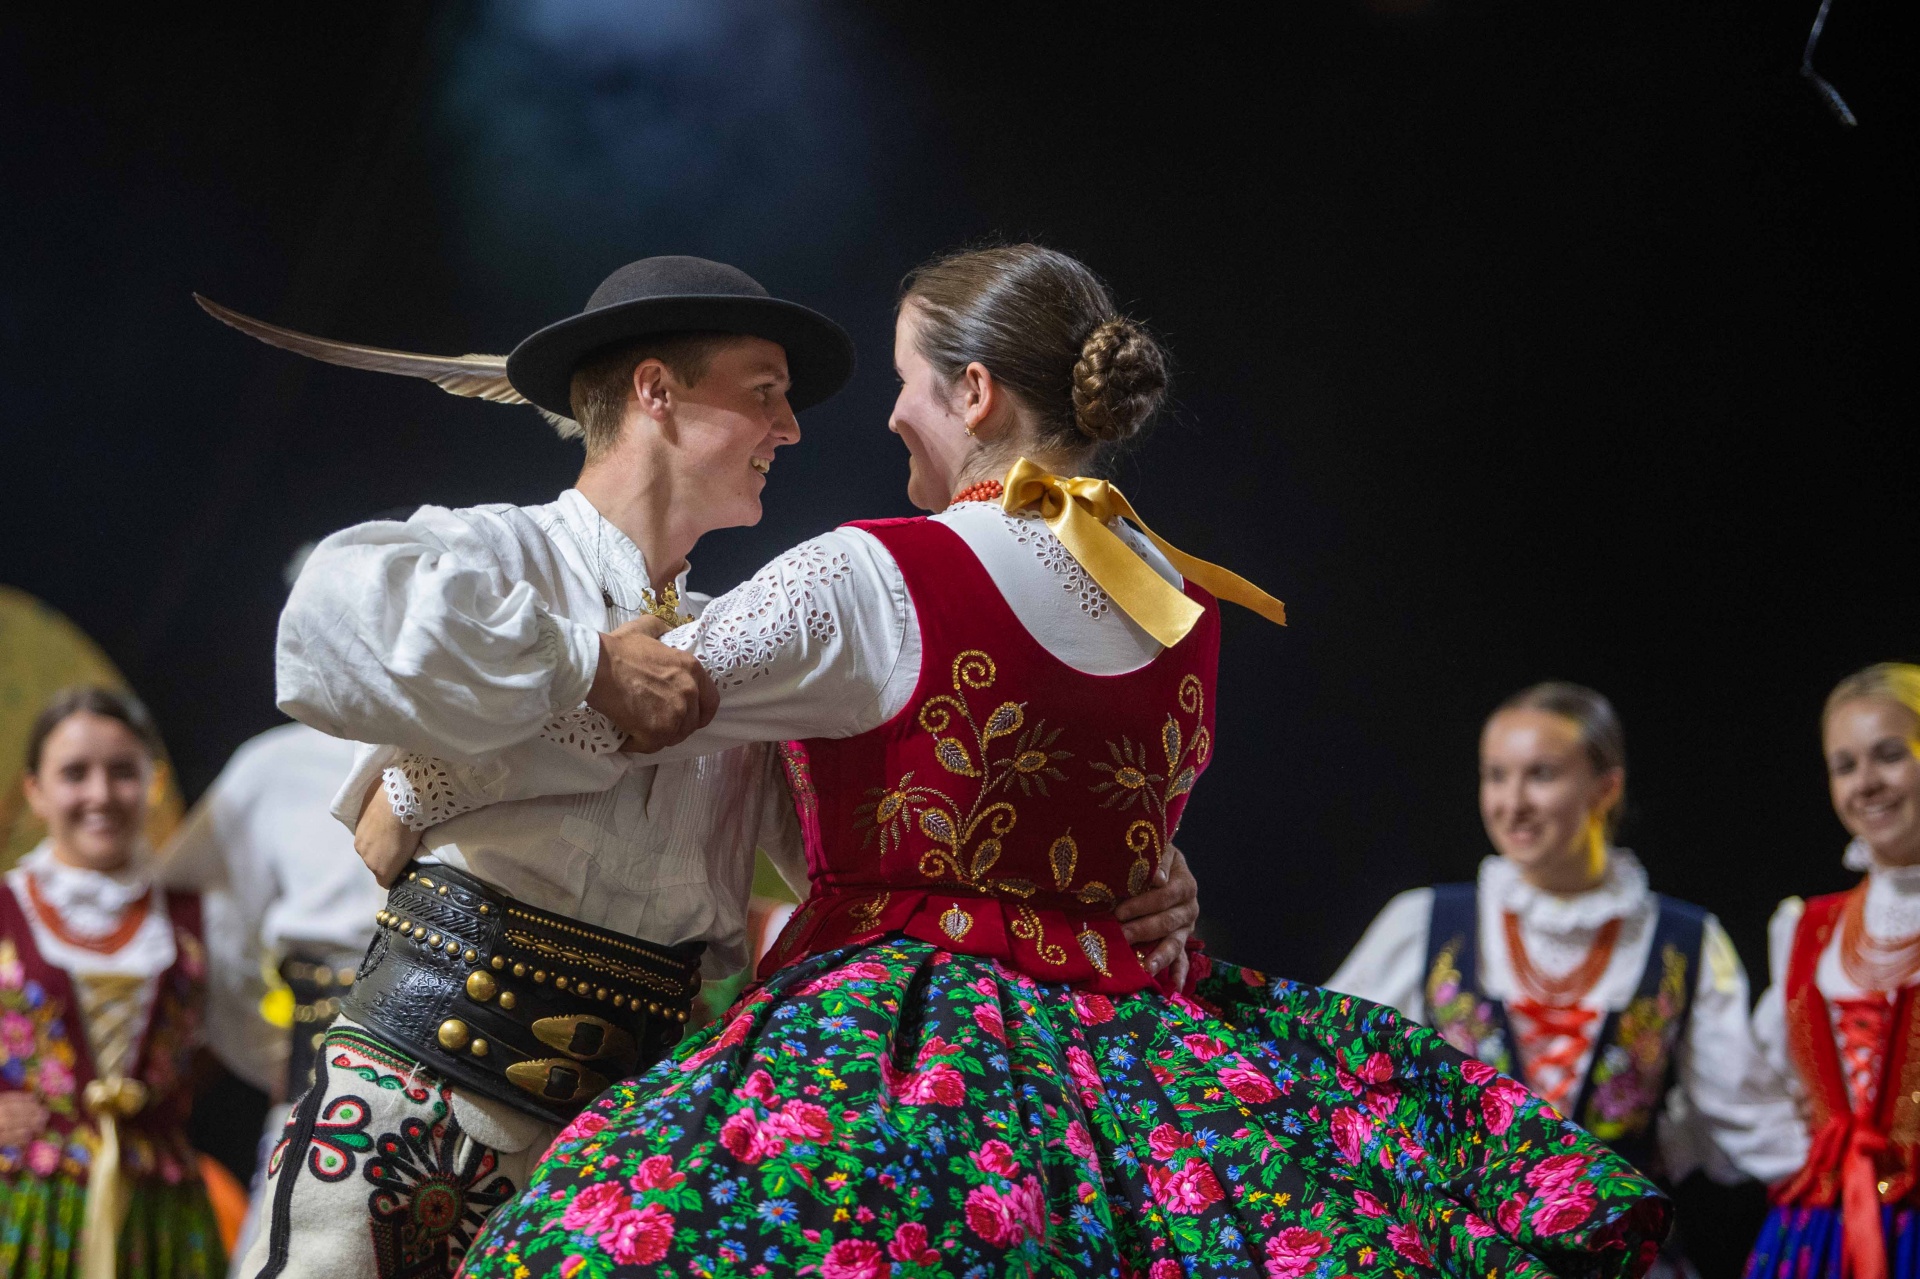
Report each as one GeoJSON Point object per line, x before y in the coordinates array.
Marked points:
{"type": "Point", "coordinates": [1095, 947]}
{"type": "Point", "coordinates": [866, 915]}
{"type": "Point", "coordinates": [1132, 779]}
{"type": "Point", "coordinates": [955, 922]}
{"type": "Point", "coordinates": [1027, 927]}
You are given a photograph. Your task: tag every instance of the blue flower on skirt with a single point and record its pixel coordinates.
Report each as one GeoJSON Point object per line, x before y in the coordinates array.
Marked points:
{"type": "Point", "coordinates": [776, 1211]}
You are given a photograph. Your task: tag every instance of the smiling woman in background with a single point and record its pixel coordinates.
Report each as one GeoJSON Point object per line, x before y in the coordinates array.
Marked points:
{"type": "Point", "coordinates": [1624, 1008]}
{"type": "Point", "coordinates": [1838, 1021]}
{"type": "Point", "coordinates": [101, 978]}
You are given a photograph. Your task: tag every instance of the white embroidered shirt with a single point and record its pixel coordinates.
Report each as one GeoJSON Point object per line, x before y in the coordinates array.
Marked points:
{"type": "Point", "coordinates": [273, 869]}
{"type": "Point", "coordinates": [1724, 1115]}
{"type": "Point", "coordinates": [464, 642]}
{"type": "Point", "coordinates": [1892, 912]}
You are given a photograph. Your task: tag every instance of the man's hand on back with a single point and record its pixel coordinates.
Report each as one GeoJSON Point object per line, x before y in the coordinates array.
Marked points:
{"type": "Point", "coordinates": [1163, 917]}
{"type": "Point", "coordinates": [658, 695]}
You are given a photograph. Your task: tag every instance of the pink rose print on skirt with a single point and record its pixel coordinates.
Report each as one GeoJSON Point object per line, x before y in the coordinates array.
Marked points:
{"type": "Point", "coordinates": [1294, 1251]}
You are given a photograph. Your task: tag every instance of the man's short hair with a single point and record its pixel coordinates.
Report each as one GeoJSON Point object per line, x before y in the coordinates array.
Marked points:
{"type": "Point", "coordinates": [603, 381]}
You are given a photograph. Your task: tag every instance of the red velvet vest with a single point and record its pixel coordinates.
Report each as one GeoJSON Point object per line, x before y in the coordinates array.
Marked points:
{"type": "Point", "coordinates": [1886, 1142]}
{"type": "Point", "coordinates": [44, 1050]}
{"type": "Point", "coordinates": [1014, 801]}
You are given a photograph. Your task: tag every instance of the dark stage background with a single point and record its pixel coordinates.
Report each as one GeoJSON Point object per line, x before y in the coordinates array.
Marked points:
{"type": "Point", "coordinates": [1514, 341]}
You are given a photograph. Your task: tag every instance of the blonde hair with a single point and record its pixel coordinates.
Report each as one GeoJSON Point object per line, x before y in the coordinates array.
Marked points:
{"type": "Point", "coordinates": [604, 380]}
{"type": "Point", "coordinates": [1896, 682]}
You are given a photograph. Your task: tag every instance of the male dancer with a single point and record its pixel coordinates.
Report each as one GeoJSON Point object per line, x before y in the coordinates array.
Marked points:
{"type": "Point", "coordinates": [549, 944]}
{"type": "Point", "coordinates": [459, 637]}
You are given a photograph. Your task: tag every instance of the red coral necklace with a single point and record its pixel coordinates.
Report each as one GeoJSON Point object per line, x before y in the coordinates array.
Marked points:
{"type": "Point", "coordinates": [130, 921]}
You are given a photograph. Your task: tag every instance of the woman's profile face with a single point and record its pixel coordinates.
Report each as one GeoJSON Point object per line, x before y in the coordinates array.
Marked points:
{"type": "Point", "coordinates": [926, 418]}
{"type": "Point", "coordinates": [91, 790]}
{"type": "Point", "coordinates": [1874, 776]}
{"type": "Point", "coordinates": [1540, 795]}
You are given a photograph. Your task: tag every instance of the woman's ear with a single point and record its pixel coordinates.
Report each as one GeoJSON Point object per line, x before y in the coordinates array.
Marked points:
{"type": "Point", "coordinates": [1607, 790]}
{"type": "Point", "coordinates": [979, 396]}
{"type": "Point", "coordinates": [35, 799]}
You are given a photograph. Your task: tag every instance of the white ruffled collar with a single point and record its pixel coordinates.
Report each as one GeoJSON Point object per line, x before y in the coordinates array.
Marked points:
{"type": "Point", "coordinates": [90, 902]}
{"type": "Point", "coordinates": [1893, 893]}
{"type": "Point", "coordinates": [1617, 896]}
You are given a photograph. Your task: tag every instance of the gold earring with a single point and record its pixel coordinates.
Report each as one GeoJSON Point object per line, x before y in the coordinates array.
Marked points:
{"type": "Point", "coordinates": [969, 432]}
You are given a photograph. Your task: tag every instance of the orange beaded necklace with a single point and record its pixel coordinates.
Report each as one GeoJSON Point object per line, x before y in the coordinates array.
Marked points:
{"type": "Point", "coordinates": [106, 944]}
{"type": "Point", "coordinates": [984, 491]}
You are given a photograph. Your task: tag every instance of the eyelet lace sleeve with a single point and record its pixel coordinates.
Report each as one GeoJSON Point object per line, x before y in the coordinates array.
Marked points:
{"type": "Point", "coordinates": [586, 730]}
{"type": "Point", "coordinates": [744, 632]}
{"type": "Point", "coordinates": [422, 793]}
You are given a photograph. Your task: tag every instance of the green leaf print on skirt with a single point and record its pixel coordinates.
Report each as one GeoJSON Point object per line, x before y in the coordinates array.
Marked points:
{"type": "Point", "coordinates": [169, 1233]}
{"type": "Point", "coordinates": [896, 1110]}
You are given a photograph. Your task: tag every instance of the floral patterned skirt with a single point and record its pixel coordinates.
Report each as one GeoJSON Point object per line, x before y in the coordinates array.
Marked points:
{"type": "Point", "coordinates": [169, 1232]}
{"type": "Point", "coordinates": [1805, 1243]}
{"type": "Point", "coordinates": [896, 1109]}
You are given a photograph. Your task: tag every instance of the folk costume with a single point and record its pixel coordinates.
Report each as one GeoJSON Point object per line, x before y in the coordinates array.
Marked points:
{"type": "Point", "coordinates": [1624, 1008]}
{"type": "Point", "coordinates": [955, 1063]}
{"type": "Point", "coordinates": [102, 979]}
{"type": "Point", "coordinates": [542, 946]}
{"type": "Point", "coordinates": [1838, 1024]}
{"type": "Point", "coordinates": [289, 912]}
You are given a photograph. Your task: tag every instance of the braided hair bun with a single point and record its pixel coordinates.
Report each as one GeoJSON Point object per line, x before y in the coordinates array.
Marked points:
{"type": "Point", "coordinates": [1118, 381]}
{"type": "Point", "coordinates": [1048, 330]}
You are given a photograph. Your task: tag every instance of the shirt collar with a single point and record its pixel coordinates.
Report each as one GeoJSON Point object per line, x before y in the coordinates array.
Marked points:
{"type": "Point", "coordinates": [616, 560]}
{"type": "Point", "coordinates": [70, 888]}
{"type": "Point", "coordinates": [1620, 893]}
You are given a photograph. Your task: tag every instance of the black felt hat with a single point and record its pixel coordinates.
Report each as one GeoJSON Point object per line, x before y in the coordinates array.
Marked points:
{"type": "Point", "coordinates": [679, 295]}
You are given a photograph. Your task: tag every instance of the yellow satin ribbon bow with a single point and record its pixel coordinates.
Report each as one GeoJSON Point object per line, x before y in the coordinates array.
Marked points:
{"type": "Point", "coordinates": [108, 1101]}
{"type": "Point", "coordinates": [1078, 510]}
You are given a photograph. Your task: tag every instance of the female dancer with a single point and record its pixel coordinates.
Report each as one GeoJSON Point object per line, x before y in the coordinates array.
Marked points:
{"type": "Point", "coordinates": [1624, 1008]}
{"type": "Point", "coordinates": [101, 979]}
{"type": "Point", "coordinates": [958, 1066]}
{"type": "Point", "coordinates": [1838, 1022]}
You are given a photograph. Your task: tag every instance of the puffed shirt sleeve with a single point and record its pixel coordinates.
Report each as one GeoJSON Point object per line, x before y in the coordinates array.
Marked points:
{"type": "Point", "coordinates": [200, 858]}
{"type": "Point", "coordinates": [426, 635]}
{"type": "Point", "coordinates": [1729, 1116]}
{"type": "Point", "coordinates": [1770, 1014]}
{"type": "Point", "coordinates": [1388, 966]}
{"type": "Point", "coordinates": [819, 643]}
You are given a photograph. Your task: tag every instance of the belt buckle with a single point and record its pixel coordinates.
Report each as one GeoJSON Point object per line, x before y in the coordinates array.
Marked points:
{"type": "Point", "coordinates": [556, 1079]}
{"type": "Point", "coordinates": [585, 1037]}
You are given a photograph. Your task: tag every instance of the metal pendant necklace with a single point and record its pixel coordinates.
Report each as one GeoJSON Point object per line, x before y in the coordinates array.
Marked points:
{"type": "Point", "coordinates": [664, 605]}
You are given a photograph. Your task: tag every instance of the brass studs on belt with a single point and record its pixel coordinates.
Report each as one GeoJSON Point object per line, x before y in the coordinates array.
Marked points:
{"type": "Point", "coordinates": [453, 1034]}
{"type": "Point", "coordinates": [507, 1000]}
{"type": "Point", "coordinates": [601, 994]}
{"type": "Point", "coordinates": [419, 931]}
{"type": "Point", "coordinates": [468, 956]}
{"type": "Point", "coordinates": [483, 908]}
{"type": "Point", "coordinates": [519, 970]}
{"type": "Point", "coordinates": [498, 962]}
{"type": "Point", "coordinates": [559, 982]}
{"type": "Point", "coordinates": [443, 890]}
{"type": "Point", "coordinates": [453, 948]}
{"type": "Point", "coordinates": [481, 986]}
{"type": "Point", "coordinates": [619, 1001]}
{"type": "Point", "coordinates": [478, 1047]}
{"type": "Point", "coordinates": [653, 1010]}
{"type": "Point", "coordinates": [434, 940]}
{"type": "Point", "coordinates": [539, 975]}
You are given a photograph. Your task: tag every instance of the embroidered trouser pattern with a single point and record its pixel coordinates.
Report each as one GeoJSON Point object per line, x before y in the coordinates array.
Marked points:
{"type": "Point", "coordinates": [376, 1175]}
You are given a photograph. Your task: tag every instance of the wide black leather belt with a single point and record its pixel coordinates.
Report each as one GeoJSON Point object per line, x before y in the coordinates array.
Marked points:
{"type": "Point", "coordinates": [319, 981]}
{"type": "Point", "coordinates": [531, 1008]}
